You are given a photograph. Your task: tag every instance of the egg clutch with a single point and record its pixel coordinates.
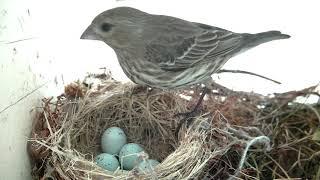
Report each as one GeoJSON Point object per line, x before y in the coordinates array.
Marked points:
{"type": "Point", "coordinates": [118, 154]}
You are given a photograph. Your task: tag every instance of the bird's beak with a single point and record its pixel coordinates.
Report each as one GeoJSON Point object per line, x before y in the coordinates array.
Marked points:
{"type": "Point", "coordinates": [90, 34]}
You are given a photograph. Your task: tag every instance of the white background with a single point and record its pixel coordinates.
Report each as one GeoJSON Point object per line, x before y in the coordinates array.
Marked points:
{"type": "Point", "coordinates": [55, 52]}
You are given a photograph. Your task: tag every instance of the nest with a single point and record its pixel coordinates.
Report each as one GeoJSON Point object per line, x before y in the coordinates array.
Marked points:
{"type": "Point", "coordinates": [237, 134]}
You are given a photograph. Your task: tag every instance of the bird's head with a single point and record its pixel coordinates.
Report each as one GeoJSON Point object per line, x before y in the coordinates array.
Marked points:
{"type": "Point", "coordinates": [117, 27]}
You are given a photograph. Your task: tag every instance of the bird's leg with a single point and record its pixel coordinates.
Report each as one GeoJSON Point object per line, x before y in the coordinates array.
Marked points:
{"type": "Point", "coordinates": [191, 114]}
{"type": "Point", "coordinates": [137, 89]}
{"type": "Point", "coordinates": [196, 107]}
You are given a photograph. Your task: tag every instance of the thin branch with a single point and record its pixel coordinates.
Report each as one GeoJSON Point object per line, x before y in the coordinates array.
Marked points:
{"type": "Point", "coordinates": [23, 97]}
{"type": "Point", "coordinates": [246, 72]}
{"type": "Point", "coordinates": [20, 40]}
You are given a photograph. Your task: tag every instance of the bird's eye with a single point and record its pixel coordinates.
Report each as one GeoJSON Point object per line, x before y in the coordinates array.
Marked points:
{"type": "Point", "coordinates": [106, 27]}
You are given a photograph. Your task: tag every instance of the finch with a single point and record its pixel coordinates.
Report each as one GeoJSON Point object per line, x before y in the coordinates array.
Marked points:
{"type": "Point", "coordinates": [167, 52]}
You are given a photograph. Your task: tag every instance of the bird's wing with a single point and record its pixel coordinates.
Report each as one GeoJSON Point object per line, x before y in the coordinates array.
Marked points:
{"type": "Point", "coordinates": [188, 51]}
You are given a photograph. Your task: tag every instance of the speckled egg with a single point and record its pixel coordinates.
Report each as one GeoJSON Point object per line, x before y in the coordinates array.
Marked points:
{"type": "Point", "coordinates": [147, 166]}
{"type": "Point", "coordinates": [107, 161]}
{"type": "Point", "coordinates": [129, 156]}
{"type": "Point", "coordinates": [113, 140]}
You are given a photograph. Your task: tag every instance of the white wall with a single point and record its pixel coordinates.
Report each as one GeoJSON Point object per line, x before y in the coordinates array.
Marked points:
{"type": "Point", "coordinates": [55, 51]}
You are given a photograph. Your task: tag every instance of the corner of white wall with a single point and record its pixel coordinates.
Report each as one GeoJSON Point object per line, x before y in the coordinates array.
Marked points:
{"type": "Point", "coordinates": [20, 92]}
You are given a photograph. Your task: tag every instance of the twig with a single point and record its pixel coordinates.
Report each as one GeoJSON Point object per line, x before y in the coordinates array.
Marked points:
{"type": "Point", "coordinates": [284, 172]}
{"type": "Point", "coordinates": [315, 112]}
{"type": "Point", "coordinates": [23, 97]}
{"type": "Point", "coordinates": [19, 40]}
{"type": "Point", "coordinates": [247, 72]}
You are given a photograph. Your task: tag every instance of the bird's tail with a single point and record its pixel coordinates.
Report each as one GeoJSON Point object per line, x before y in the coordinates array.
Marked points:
{"type": "Point", "coordinates": [252, 40]}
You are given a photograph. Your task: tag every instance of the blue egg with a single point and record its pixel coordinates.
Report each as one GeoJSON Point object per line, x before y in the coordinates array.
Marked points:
{"type": "Point", "coordinates": [147, 166]}
{"type": "Point", "coordinates": [113, 140]}
{"type": "Point", "coordinates": [107, 161]}
{"type": "Point", "coordinates": [129, 156]}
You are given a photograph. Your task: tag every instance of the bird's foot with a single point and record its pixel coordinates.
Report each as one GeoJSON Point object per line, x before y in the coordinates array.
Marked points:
{"type": "Point", "coordinates": [190, 114]}
{"type": "Point", "coordinates": [136, 89]}
{"type": "Point", "coordinates": [188, 118]}
{"type": "Point", "coordinates": [141, 89]}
